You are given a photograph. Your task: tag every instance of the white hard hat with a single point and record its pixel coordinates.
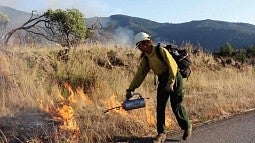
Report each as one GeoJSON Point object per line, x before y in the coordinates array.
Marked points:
{"type": "Point", "coordinates": [141, 37]}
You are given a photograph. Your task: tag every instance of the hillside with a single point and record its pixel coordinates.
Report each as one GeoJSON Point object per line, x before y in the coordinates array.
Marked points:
{"type": "Point", "coordinates": [17, 17]}
{"type": "Point", "coordinates": [209, 34]}
{"type": "Point", "coordinates": [47, 95]}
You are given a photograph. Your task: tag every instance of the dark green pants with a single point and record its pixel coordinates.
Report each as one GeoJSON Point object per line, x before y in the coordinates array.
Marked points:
{"type": "Point", "coordinates": [176, 99]}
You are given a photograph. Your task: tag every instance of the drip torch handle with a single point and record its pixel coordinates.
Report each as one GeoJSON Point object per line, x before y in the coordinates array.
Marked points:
{"type": "Point", "coordinates": [140, 96]}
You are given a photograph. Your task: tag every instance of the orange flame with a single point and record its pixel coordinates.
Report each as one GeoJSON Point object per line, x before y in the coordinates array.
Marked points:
{"type": "Point", "coordinates": [83, 97]}
{"type": "Point", "coordinates": [112, 102]}
{"type": "Point", "coordinates": [72, 97]}
{"type": "Point", "coordinates": [64, 112]}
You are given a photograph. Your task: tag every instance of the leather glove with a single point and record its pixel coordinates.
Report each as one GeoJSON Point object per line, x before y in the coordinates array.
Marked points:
{"type": "Point", "coordinates": [169, 88]}
{"type": "Point", "coordinates": [128, 94]}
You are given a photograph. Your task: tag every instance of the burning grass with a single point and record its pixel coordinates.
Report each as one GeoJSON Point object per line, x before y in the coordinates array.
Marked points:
{"type": "Point", "coordinates": [44, 99]}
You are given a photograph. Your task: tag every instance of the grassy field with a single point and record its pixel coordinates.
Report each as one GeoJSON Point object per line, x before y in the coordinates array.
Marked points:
{"type": "Point", "coordinates": [47, 95]}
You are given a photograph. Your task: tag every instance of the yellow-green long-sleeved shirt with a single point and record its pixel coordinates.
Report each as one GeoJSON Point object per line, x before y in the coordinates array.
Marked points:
{"type": "Point", "coordinates": [157, 66]}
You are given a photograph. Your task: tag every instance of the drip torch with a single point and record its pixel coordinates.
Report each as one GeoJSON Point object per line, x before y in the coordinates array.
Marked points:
{"type": "Point", "coordinates": [130, 104]}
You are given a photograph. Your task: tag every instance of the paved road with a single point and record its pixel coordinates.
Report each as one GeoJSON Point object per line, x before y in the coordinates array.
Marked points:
{"type": "Point", "coordinates": [236, 129]}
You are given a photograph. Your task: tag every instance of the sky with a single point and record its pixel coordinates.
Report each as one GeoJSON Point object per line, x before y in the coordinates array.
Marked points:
{"type": "Point", "coordinates": [171, 11]}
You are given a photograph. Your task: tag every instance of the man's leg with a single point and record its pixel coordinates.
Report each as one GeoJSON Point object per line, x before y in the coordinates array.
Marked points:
{"type": "Point", "coordinates": [162, 98]}
{"type": "Point", "coordinates": [177, 107]}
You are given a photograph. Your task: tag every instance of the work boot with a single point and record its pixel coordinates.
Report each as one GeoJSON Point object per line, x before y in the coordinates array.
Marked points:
{"type": "Point", "coordinates": [187, 133]}
{"type": "Point", "coordinates": [160, 138]}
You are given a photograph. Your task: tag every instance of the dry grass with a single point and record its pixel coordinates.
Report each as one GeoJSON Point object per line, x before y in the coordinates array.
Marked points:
{"type": "Point", "coordinates": [33, 81]}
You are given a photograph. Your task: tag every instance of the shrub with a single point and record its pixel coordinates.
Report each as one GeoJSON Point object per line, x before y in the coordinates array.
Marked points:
{"type": "Point", "coordinates": [226, 50]}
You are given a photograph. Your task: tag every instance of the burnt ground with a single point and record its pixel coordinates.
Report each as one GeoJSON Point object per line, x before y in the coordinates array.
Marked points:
{"type": "Point", "coordinates": [28, 126]}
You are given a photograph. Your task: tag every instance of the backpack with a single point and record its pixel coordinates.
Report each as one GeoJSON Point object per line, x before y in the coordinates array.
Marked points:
{"type": "Point", "coordinates": [181, 57]}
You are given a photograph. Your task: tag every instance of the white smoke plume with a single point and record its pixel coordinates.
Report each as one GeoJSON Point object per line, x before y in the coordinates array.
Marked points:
{"type": "Point", "coordinates": [123, 36]}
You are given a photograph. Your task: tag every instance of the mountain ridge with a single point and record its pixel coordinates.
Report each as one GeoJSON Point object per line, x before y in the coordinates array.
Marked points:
{"type": "Point", "coordinates": [14, 15]}
{"type": "Point", "coordinates": [210, 34]}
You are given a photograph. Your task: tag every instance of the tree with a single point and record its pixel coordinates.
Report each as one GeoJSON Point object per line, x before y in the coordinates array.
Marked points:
{"type": "Point", "coordinates": [70, 24]}
{"type": "Point", "coordinates": [66, 27]}
{"type": "Point", "coordinates": [250, 51]}
{"type": "Point", "coordinates": [4, 20]}
{"type": "Point", "coordinates": [227, 50]}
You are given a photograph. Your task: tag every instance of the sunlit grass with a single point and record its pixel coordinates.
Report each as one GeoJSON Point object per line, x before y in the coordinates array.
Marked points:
{"type": "Point", "coordinates": [34, 76]}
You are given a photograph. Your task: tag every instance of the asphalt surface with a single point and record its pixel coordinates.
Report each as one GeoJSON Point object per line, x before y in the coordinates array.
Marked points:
{"type": "Point", "coordinates": [235, 129]}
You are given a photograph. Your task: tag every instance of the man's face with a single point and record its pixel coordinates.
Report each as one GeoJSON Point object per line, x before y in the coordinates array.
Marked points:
{"type": "Point", "coordinates": [143, 46]}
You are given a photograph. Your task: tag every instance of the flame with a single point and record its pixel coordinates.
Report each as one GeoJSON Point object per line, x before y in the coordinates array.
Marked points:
{"type": "Point", "coordinates": [112, 102]}
{"type": "Point", "coordinates": [72, 97]}
{"type": "Point", "coordinates": [64, 112]}
{"type": "Point", "coordinates": [83, 97]}
{"type": "Point", "coordinates": [76, 95]}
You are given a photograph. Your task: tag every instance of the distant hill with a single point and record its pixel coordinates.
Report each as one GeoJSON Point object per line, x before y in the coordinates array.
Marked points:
{"type": "Point", "coordinates": [210, 34]}
{"type": "Point", "coordinates": [16, 17]}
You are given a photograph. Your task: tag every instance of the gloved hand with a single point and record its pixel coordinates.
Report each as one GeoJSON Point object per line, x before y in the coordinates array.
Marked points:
{"type": "Point", "coordinates": [169, 88]}
{"type": "Point", "coordinates": [128, 94]}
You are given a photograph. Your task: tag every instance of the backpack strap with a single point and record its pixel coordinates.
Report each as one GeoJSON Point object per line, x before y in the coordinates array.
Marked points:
{"type": "Point", "coordinates": [159, 54]}
{"type": "Point", "coordinates": [146, 58]}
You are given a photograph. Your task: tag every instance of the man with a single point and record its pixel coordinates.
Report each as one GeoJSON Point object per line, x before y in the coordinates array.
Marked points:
{"type": "Point", "coordinates": [170, 85]}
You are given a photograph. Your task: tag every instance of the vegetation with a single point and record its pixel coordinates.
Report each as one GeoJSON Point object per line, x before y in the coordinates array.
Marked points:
{"type": "Point", "coordinates": [37, 82]}
{"type": "Point", "coordinates": [209, 34]}
{"type": "Point", "coordinates": [246, 55]}
{"type": "Point", "coordinates": [61, 95]}
{"type": "Point", "coordinates": [66, 27]}
{"type": "Point", "coordinates": [4, 20]}
{"type": "Point", "coordinates": [70, 23]}
{"type": "Point", "coordinates": [227, 50]}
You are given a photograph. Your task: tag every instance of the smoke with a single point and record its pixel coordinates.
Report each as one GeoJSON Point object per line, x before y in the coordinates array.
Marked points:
{"type": "Point", "coordinates": [120, 36]}
{"type": "Point", "coordinates": [95, 8]}
{"type": "Point", "coordinates": [123, 36]}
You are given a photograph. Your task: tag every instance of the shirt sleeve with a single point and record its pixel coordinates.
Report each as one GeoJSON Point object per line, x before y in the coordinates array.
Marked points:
{"type": "Point", "coordinates": [172, 65]}
{"type": "Point", "coordinates": [140, 75]}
